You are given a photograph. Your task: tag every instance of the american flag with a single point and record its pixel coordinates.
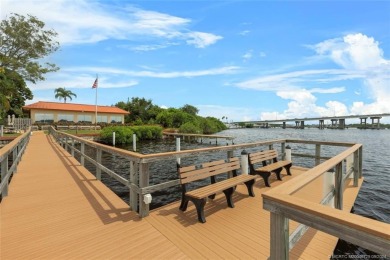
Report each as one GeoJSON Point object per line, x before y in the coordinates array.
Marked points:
{"type": "Point", "coordinates": [95, 84]}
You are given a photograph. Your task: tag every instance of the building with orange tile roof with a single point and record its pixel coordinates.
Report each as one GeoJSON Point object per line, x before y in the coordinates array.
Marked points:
{"type": "Point", "coordinates": [53, 112]}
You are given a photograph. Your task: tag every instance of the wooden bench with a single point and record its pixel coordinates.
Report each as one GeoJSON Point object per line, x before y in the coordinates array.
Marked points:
{"type": "Point", "coordinates": [212, 169]}
{"type": "Point", "coordinates": [266, 169]}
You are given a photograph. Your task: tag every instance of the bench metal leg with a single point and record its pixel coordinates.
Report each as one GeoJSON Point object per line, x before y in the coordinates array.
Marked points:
{"type": "Point", "coordinates": [277, 172]}
{"type": "Point", "coordinates": [249, 186]}
{"type": "Point", "coordinates": [288, 168]}
{"type": "Point", "coordinates": [184, 203]}
{"type": "Point", "coordinates": [228, 194]}
{"type": "Point", "coordinates": [265, 176]}
{"type": "Point", "coordinates": [199, 204]}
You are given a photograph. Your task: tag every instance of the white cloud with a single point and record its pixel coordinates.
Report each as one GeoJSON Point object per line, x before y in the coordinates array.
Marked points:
{"type": "Point", "coordinates": [248, 55]}
{"type": "Point", "coordinates": [201, 39]}
{"type": "Point", "coordinates": [262, 54]}
{"type": "Point", "coordinates": [80, 80]}
{"type": "Point", "coordinates": [84, 21]}
{"type": "Point", "coordinates": [359, 57]}
{"type": "Point", "coordinates": [150, 47]}
{"type": "Point", "coordinates": [354, 51]}
{"type": "Point", "coordinates": [292, 80]}
{"type": "Point", "coordinates": [245, 32]}
{"type": "Point", "coordinates": [327, 91]}
{"type": "Point", "coordinates": [155, 74]}
{"type": "Point", "coordinates": [232, 113]}
{"type": "Point", "coordinates": [83, 77]}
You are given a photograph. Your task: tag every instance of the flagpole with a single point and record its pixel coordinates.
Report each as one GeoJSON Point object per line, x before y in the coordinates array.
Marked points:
{"type": "Point", "coordinates": [96, 103]}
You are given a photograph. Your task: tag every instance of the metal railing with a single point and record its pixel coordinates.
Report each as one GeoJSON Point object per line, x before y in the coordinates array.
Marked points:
{"type": "Point", "coordinates": [15, 149]}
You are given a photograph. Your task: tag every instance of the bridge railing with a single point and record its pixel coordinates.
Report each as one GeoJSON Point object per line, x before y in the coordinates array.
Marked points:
{"type": "Point", "coordinates": [11, 152]}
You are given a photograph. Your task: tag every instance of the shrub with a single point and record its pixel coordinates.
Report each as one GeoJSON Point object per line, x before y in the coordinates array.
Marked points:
{"type": "Point", "coordinates": [124, 134]}
{"type": "Point", "coordinates": [190, 128]}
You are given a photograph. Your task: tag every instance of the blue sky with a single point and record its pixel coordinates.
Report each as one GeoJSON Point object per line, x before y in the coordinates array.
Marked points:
{"type": "Point", "coordinates": [245, 60]}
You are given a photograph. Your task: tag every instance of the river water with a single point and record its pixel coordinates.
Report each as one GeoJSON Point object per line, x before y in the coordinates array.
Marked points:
{"type": "Point", "coordinates": [373, 200]}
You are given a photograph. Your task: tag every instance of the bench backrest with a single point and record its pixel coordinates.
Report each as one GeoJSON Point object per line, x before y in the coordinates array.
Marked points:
{"type": "Point", "coordinates": [263, 157]}
{"type": "Point", "coordinates": [191, 173]}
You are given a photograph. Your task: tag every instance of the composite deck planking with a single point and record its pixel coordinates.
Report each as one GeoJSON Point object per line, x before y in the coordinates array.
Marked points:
{"type": "Point", "coordinates": [56, 209]}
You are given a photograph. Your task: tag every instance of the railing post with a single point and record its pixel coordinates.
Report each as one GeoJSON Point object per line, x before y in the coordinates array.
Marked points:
{"type": "Point", "coordinates": [143, 182]}
{"type": "Point", "coordinates": [82, 149]}
{"type": "Point", "coordinates": [4, 172]}
{"type": "Point", "coordinates": [133, 180]}
{"type": "Point", "coordinates": [134, 142]}
{"type": "Point", "coordinates": [318, 154]}
{"type": "Point", "coordinates": [279, 232]}
{"type": "Point", "coordinates": [338, 200]}
{"type": "Point", "coordinates": [244, 162]}
{"type": "Point", "coordinates": [14, 158]}
{"type": "Point", "coordinates": [178, 149]}
{"type": "Point", "coordinates": [283, 148]}
{"type": "Point", "coordinates": [99, 161]}
{"type": "Point", "coordinates": [361, 162]}
{"type": "Point", "coordinates": [288, 153]}
{"type": "Point", "coordinates": [356, 168]}
{"type": "Point", "coordinates": [72, 148]}
{"type": "Point", "coordinates": [65, 142]}
{"type": "Point", "coordinates": [230, 155]}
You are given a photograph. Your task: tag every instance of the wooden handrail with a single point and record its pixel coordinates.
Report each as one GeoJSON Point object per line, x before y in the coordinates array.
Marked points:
{"type": "Point", "coordinates": [16, 148]}
{"type": "Point", "coordinates": [371, 234]}
{"type": "Point", "coordinates": [307, 177]}
{"type": "Point", "coordinates": [283, 205]}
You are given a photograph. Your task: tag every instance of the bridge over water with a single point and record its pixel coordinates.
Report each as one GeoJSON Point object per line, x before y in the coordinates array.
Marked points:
{"type": "Point", "coordinates": [337, 122]}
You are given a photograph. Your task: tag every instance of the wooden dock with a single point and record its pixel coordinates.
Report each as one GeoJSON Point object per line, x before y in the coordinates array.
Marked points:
{"type": "Point", "coordinates": [56, 209]}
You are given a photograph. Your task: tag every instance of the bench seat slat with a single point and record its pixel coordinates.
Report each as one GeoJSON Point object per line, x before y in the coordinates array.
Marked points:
{"type": "Point", "coordinates": [262, 156]}
{"type": "Point", "coordinates": [274, 166]}
{"type": "Point", "coordinates": [204, 174]}
{"type": "Point", "coordinates": [219, 186]}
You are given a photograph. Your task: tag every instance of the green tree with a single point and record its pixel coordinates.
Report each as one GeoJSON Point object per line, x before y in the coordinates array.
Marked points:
{"type": "Point", "coordinates": [13, 93]}
{"type": "Point", "coordinates": [62, 93]}
{"type": "Point", "coordinates": [190, 109]}
{"type": "Point", "coordinates": [24, 41]}
{"type": "Point", "coordinates": [23, 44]}
{"type": "Point", "coordinates": [141, 110]}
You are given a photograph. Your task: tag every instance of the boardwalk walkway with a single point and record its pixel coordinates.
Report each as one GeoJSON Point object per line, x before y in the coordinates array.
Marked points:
{"type": "Point", "coordinates": [56, 209]}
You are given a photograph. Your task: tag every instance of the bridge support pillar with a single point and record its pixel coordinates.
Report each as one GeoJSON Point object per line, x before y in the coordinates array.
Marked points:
{"type": "Point", "coordinates": [334, 123]}
{"type": "Point", "coordinates": [321, 124]}
{"type": "Point", "coordinates": [302, 124]}
{"type": "Point", "coordinates": [284, 125]}
{"type": "Point", "coordinates": [341, 123]}
{"type": "Point", "coordinates": [377, 124]}
{"type": "Point", "coordinates": [363, 122]}
{"type": "Point", "coordinates": [297, 124]}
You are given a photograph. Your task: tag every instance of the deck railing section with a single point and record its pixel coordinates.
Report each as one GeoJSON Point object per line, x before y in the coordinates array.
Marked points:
{"type": "Point", "coordinates": [284, 206]}
{"type": "Point", "coordinates": [139, 164]}
{"type": "Point", "coordinates": [15, 149]}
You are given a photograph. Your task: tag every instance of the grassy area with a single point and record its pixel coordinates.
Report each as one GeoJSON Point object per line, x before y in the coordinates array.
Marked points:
{"type": "Point", "coordinates": [11, 134]}
{"type": "Point", "coordinates": [74, 132]}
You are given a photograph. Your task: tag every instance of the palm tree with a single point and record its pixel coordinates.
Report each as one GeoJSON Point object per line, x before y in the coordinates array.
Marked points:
{"type": "Point", "coordinates": [62, 93]}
